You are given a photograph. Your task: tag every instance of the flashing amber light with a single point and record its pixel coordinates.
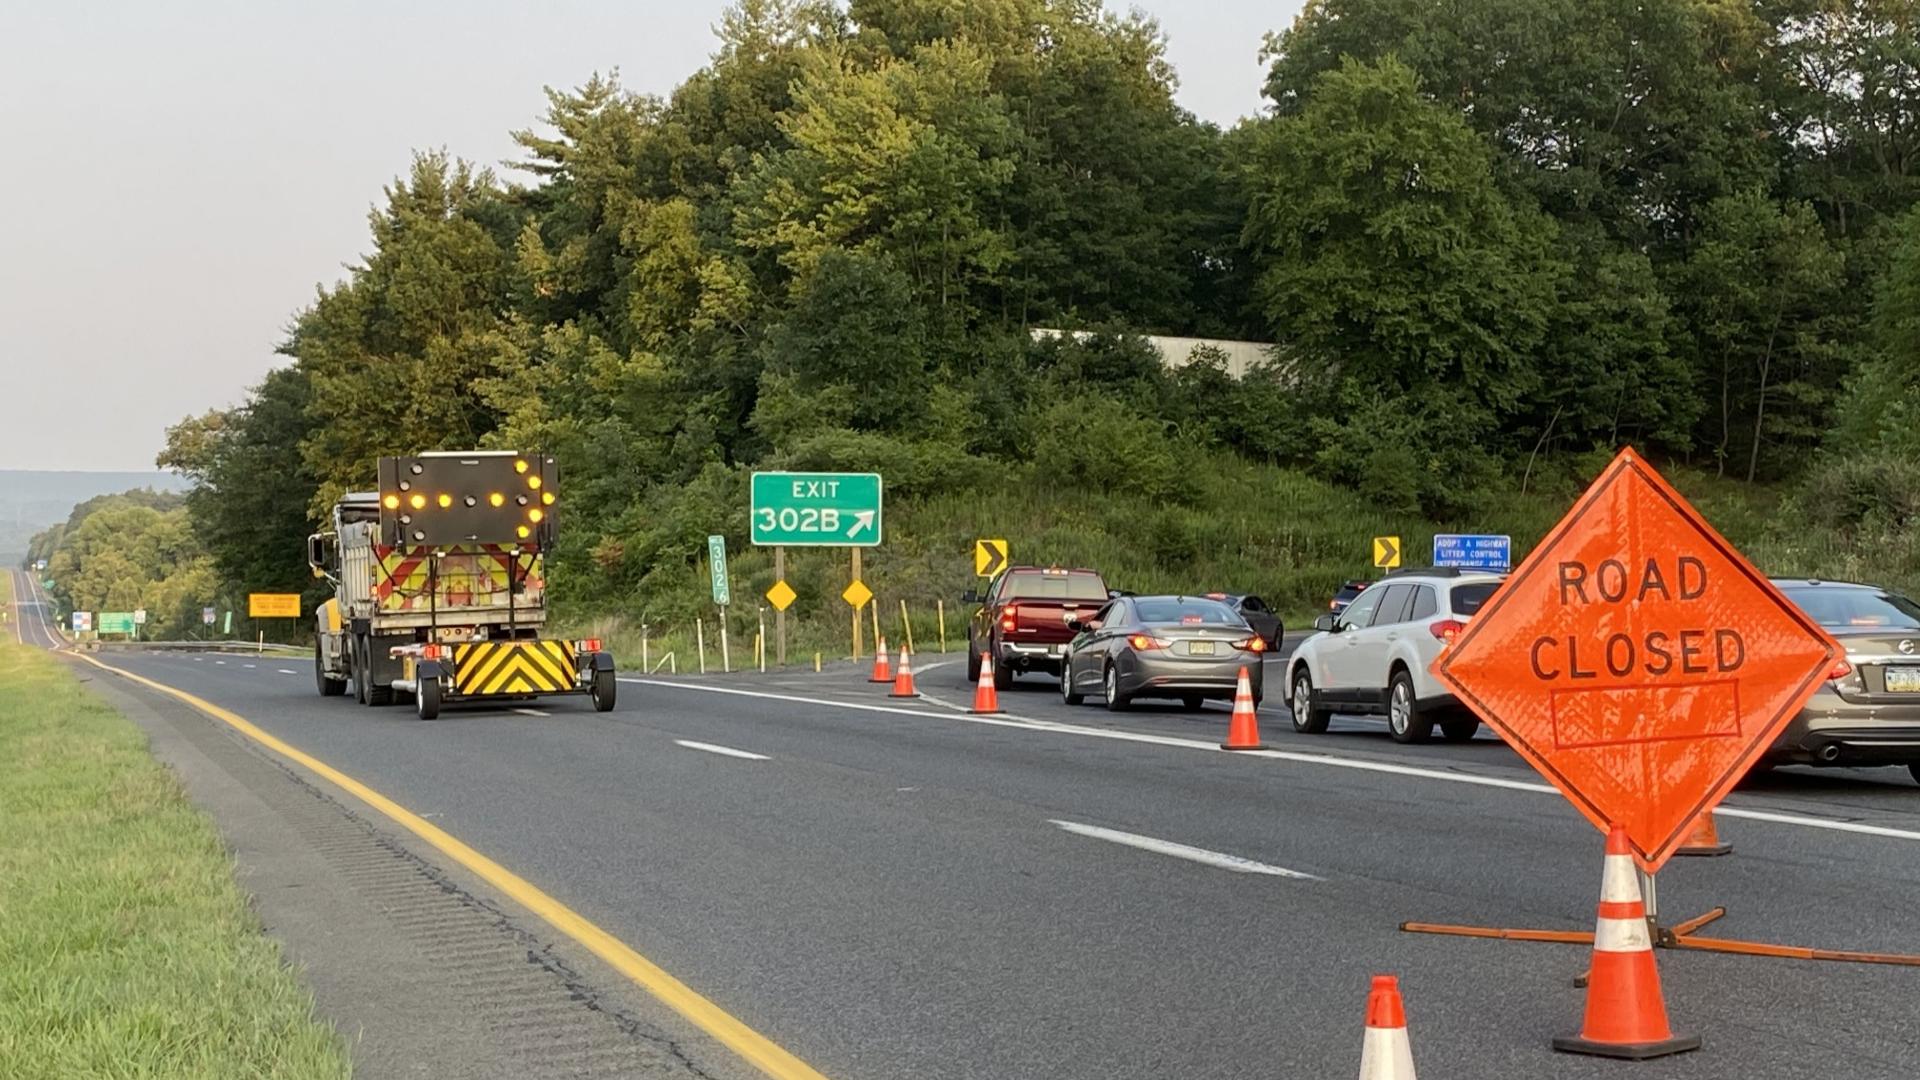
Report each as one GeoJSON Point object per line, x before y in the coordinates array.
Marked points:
{"type": "Point", "coordinates": [391, 502]}
{"type": "Point", "coordinates": [445, 501]}
{"type": "Point", "coordinates": [547, 497]}
{"type": "Point", "coordinates": [534, 515]}
{"type": "Point", "coordinates": [520, 466]}
{"type": "Point", "coordinates": [497, 499]}
{"type": "Point", "coordinates": [418, 502]}
{"type": "Point", "coordinates": [524, 532]}
{"type": "Point", "coordinates": [533, 482]}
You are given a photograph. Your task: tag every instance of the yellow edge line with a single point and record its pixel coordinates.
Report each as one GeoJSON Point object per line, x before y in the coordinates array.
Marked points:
{"type": "Point", "coordinates": [754, 1047]}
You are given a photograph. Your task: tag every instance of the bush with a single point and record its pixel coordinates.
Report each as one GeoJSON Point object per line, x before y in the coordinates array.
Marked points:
{"type": "Point", "coordinates": [1101, 446]}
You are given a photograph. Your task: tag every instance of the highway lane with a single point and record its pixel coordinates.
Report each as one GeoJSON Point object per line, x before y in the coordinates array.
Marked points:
{"type": "Point", "coordinates": [34, 619]}
{"type": "Point", "coordinates": [885, 890]}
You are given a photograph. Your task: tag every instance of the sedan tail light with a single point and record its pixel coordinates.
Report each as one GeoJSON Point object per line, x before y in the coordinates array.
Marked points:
{"type": "Point", "coordinates": [1255, 644]}
{"type": "Point", "coordinates": [1143, 642]}
{"type": "Point", "coordinates": [1447, 629]}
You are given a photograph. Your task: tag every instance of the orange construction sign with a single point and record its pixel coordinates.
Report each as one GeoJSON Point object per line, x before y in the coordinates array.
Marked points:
{"type": "Point", "coordinates": [1638, 661]}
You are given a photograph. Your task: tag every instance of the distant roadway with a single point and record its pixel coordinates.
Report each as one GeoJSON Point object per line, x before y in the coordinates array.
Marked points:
{"type": "Point", "coordinates": [892, 889]}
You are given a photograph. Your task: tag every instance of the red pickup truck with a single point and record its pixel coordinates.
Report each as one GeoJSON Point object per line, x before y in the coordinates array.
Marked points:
{"type": "Point", "coordinates": [1023, 619]}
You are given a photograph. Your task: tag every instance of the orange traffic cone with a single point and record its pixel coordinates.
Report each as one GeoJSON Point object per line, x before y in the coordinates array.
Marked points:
{"type": "Point", "coordinates": [1243, 730]}
{"type": "Point", "coordinates": [1386, 1054]}
{"type": "Point", "coordinates": [1626, 1016]}
{"type": "Point", "coordinates": [1704, 839]}
{"type": "Point", "coordinates": [986, 697]}
{"type": "Point", "coordinates": [880, 670]}
{"type": "Point", "coordinates": [903, 677]}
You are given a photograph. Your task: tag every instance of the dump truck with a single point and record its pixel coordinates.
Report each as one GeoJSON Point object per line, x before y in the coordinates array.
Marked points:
{"type": "Point", "coordinates": [439, 588]}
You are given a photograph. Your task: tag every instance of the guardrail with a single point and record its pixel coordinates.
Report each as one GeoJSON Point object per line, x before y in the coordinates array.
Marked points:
{"type": "Point", "coordinates": [203, 646]}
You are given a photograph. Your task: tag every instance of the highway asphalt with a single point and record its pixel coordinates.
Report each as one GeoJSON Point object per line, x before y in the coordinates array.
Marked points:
{"type": "Point", "coordinates": [896, 889]}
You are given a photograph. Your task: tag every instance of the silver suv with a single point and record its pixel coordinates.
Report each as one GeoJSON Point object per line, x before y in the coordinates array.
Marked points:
{"type": "Point", "coordinates": [1374, 656]}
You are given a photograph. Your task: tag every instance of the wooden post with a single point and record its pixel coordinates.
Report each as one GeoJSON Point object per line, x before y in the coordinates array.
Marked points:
{"type": "Point", "coordinates": [906, 625]}
{"type": "Point", "coordinates": [875, 612]}
{"type": "Point", "coordinates": [856, 611]}
{"type": "Point", "coordinates": [780, 617]}
{"type": "Point", "coordinates": [645, 662]}
{"type": "Point", "coordinates": [940, 610]}
{"type": "Point", "coordinates": [726, 662]}
{"type": "Point", "coordinates": [700, 643]}
{"type": "Point", "coordinates": [760, 641]}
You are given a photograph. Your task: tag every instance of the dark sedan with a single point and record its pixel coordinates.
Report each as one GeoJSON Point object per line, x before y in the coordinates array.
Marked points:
{"type": "Point", "coordinates": [1345, 595]}
{"type": "Point", "coordinates": [1185, 647]}
{"type": "Point", "coordinates": [1256, 613]}
{"type": "Point", "coordinates": [1867, 712]}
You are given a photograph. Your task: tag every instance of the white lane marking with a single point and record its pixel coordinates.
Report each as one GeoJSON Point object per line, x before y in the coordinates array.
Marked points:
{"type": "Point", "coordinates": [286, 671]}
{"type": "Point", "coordinates": [1183, 851]}
{"type": "Point", "coordinates": [726, 750]}
{"type": "Point", "coordinates": [1329, 760]}
{"type": "Point", "coordinates": [220, 661]}
{"type": "Point", "coordinates": [249, 666]}
{"type": "Point", "coordinates": [532, 712]}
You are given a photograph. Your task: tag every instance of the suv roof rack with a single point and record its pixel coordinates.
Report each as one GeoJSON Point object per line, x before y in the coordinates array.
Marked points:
{"type": "Point", "coordinates": [1438, 571]}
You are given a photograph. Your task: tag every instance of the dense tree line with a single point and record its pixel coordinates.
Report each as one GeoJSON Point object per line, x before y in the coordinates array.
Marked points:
{"type": "Point", "coordinates": [1486, 236]}
{"type": "Point", "coordinates": [131, 552]}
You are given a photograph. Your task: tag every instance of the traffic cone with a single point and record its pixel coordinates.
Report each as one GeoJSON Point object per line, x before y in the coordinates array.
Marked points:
{"type": "Point", "coordinates": [1386, 1054]}
{"type": "Point", "coordinates": [1243, 730]}
{"type": "Point", "coordinates": [880, 670]}
{"type": "Point", "coordinates": [1626, 1016]}
{"type": "Point", "coordinates": [1704, 839]}
{"type": "Point", "coordinates": [986, 697]}
{"type": "Point", "coordinates": [903, 677]}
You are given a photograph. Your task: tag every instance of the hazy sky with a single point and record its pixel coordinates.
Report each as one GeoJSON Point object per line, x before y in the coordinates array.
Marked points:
{"type": "Point", "coordinates": [180, 176]}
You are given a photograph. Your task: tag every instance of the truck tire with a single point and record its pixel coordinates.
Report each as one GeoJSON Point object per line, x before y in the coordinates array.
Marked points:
{"type": "Point", "coordinates": [426, 699]}
{"type": "Point", "coordinates": [371, 692]}
{"type": "Point", "coordinates": [328, 685]}
{"type": "Point", "coordinates": [1002, 671]}
{"type": "Point", "coordinates": [973, 662]}
{"type": "Point", "coordinates": [357, 670]}
{"type": "Point", "coordinates": [603, 691]}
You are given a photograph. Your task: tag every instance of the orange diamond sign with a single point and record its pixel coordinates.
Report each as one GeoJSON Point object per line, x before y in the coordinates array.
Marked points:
{"type": "Point", "coordinates": [1637, 660]}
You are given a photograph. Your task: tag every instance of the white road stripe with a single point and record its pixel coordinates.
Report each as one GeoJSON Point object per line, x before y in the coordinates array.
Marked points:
{"type": "Point", "coordinates": [286, 671]}
{"type": "Point", "coordinates": [1330, 760]}
{"type": "Point", "coordinates": [532, 712]}
{"type": "Point", "coordinates": [220, 661]}
{"type": "Point", "coordinates": [249, 666]}
{"type": "Point", "coordinates": [726, 750]}
{"type": "Point", "coordinates": [1182, 851]}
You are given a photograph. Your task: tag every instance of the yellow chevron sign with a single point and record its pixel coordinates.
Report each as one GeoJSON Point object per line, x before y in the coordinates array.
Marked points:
{"type": "Point", "coordinates": [513, 667]}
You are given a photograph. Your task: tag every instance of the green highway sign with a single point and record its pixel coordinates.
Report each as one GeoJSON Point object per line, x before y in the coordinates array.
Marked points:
{"type": "Point", "coordinates": [717, 562]}
{"type": "Point", "coordinates": [114, 622]}
{"type": "Point", "coordinates": [816, 509]}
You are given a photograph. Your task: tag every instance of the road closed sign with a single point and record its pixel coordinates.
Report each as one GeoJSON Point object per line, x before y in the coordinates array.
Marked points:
{"type": "Point", "coordinates": [1637, 660]}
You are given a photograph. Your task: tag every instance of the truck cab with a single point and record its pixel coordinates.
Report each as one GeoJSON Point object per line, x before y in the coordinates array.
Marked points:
{"type": "Point", "coordinates": [1022, 620]}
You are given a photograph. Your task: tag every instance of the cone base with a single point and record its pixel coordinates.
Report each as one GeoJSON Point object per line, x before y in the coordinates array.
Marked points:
{"type": "Point", "coordinates": [985, 712]}
{"type": "Point", "coordinates": [1243, 746]}
{"type": "Point", "coordinates": [876, 679]}
{"type": "Point", "coordinates": [908, 694]}
{"type": "Point", "coordinates": [1679, 1044]}
{"type": "Point", "coordinates": [1706, 849]}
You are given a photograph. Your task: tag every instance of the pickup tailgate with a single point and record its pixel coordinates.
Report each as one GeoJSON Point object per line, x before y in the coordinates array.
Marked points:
{"type": "Point", "coordinates": [1042, 621]}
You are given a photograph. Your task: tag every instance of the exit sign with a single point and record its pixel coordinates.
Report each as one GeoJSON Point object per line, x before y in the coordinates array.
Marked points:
{"type": "Point", "coordinates": [816, 509]}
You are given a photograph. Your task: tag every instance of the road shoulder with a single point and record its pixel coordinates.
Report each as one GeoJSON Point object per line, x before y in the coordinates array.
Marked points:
{"type": "Point", "coordinates": [423, 970]}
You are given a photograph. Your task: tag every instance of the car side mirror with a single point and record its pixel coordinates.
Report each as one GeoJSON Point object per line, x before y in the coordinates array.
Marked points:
{"type": "Point", "coordinates": [1077, 626]}
{"type": "Point", "coordinates": [1326, 624]}
{"type": "Point", "coordinates": [971, 596]}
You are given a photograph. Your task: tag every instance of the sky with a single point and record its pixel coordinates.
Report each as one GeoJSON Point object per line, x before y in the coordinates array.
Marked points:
{"type": "Point", "coordinates": [181, 177]}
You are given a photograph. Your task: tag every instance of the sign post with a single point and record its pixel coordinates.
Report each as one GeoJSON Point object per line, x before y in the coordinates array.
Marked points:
{"type": "Point", "coordinates": [782, 597]}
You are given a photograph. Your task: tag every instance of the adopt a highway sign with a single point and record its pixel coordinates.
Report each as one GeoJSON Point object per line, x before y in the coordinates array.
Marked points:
{"type": "Point", "coordinates": [1638, 661]}
{"type": "Point", "coordinates": [795, 509]}
{"type": "Point", "coordinates": [1470, 551]}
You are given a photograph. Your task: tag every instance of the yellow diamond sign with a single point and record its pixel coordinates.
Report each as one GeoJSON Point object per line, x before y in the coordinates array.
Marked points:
{"type": "Point", "coordinates": [780, 596]}
{"type": "Point", "coordinates": [857, 595]}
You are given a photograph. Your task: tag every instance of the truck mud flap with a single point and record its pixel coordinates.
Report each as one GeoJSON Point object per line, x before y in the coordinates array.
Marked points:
{"type": "Point", "coordinates": [491, 668]}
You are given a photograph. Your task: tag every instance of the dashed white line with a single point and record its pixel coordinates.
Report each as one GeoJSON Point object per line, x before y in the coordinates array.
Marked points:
{"type": "Point", "coordinates": [1329, 760]}
{"type": "Point", "coordinates": [1184, 851]}
{"type": "Point", "coordinates": [532, 712]}
{"type": "Point", "coordinates": [249, 666]}
{"type": "Point", "coordinates": [222, 662]}
{"type": "Point", "coordinates": [286, 671]}
{"type": "Point", "coordinates": [728, 751]}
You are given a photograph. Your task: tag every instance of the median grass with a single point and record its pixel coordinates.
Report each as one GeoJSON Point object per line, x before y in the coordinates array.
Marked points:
{"type": "Point", "coordinates": [126, 948]}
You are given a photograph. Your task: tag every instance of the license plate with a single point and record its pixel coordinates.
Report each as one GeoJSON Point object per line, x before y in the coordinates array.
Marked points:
{"type": "Point", "coordinates": [1199, 648]}
{"type": "Point", "coordinates": [1903, 680]}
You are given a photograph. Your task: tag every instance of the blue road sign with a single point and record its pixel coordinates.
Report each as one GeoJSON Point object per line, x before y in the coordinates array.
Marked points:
{"type": "Point", "coordinates": [1473, 552]}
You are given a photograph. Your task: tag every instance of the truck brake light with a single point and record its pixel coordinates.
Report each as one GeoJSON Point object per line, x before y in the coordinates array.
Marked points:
{"type": "Point", "coordinates": [588, 645]}
{"type": "Point", "coordinates": [1009, 618]}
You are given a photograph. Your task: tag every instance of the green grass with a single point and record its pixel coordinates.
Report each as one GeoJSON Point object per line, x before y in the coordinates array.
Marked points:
{"type": "Point", "coordinates": [126, 949]}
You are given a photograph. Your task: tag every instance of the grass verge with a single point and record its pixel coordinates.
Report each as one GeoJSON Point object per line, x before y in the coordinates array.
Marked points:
{"type": "Point", "coordinates": [126, 948]}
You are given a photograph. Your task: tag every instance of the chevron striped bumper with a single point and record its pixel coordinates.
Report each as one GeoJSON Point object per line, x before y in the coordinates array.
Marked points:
{"type": "Point", "coordinates": [516, 668]}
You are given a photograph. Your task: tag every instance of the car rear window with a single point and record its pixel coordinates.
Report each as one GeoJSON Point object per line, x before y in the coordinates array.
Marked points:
{"type": "Point", "coordinates": [1064, 585]}
{"type": "Point", "coordinates": [1170, 609]}
{"type": "Point", "coordinates": [1855, 609]}
{"type": "Point", "coordinates": [1466, 599]}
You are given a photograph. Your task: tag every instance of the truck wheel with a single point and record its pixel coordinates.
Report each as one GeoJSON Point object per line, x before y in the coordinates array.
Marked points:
{"type": "Point", "coordinates": [426, 699]}
{"type": "Point", "coordinates": [329, 686]}
{"type": "Point", "coordinates": [1002, 675]}
{"type": "Point", "coordinates": [602, 691]}
{"type": "Point", "coordinates": [357, 670]}
{"type": "Point", "coordinates": [973, 662]}
{"type": "Point", "coordinates": [375, 693]}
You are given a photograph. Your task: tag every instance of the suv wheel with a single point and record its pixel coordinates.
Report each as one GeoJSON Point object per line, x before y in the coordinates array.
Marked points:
{"type": "Point", "coordinates": [1307, 719]}
{"type": "Point", "coordinates": [1404, 720]}
{"type": "Point", "coordinates": [1460, 728]}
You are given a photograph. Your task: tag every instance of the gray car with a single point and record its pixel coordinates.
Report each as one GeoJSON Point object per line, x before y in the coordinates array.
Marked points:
{"type": "Point", "coordinates": [1867, 712]}
{"type": "Point", "coordinates": [1187, 648]}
